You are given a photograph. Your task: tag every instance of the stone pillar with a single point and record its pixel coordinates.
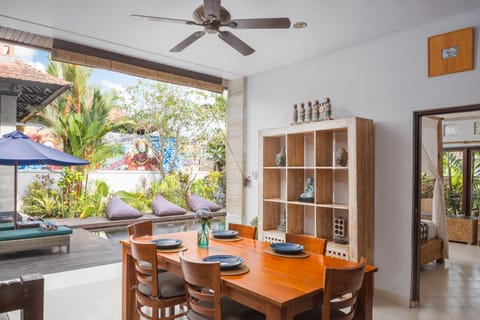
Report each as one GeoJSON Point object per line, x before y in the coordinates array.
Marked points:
{"type": "Point", "coordinates": [235, 159]}
{"type": "Point", "coordinates": [8, 120]}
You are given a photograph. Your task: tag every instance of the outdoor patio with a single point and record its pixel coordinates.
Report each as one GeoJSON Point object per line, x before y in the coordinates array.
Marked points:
{"type": "Point", "coordinates": [86, 250]}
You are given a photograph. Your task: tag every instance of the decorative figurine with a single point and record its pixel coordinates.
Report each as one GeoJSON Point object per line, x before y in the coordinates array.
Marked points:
{"type": "Point", "coordinates": [280, 158]}
{"type": "Point", "coordinates": [295, 114]}
{"type": "Point", "coordinates": [282, 226]}
{"type": "Point", "coordinates": [315, 114]}
{"type": "Point", "coordinates": [308, 193]}
{"type": "Point", "coordinates": [328, 109]}
{"type": "Point", "coordinates": [321, 111]}
{"type": "Point", "coordinates": [308, 116]}
{"type": "Point", "coordinates": [341, 158]}
{"type": "Point", "coordinates": [302, 114]}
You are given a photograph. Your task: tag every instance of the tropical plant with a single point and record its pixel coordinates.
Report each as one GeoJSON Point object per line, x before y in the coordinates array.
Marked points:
{"type": "Point", "coordinates": [71, 184]}
{"type": "Point", "coordinates": [427, 184]}
{"type": "Point", "coordinates": [138, 200]}
{"type": "Point", "coordinates": [42, 198]}
{"type": "Point", "coordinates": [453, 171]}
{"type": "Point", "coordinates": [216, 150]}
{"type": "Point", "coordinates": [175, 188]}
{"type": "Point", "coordinates": [81, 118]}
{"type": "Point", "coordinates": [175, 113]}
{"type": "Point", "coordinates": [212, 187]}
{"type": "Point", "coordinates": [96, 201]}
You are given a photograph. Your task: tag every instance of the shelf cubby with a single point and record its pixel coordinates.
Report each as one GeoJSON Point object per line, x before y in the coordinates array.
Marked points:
{"type": "Point", "coordinates": [342, 190]}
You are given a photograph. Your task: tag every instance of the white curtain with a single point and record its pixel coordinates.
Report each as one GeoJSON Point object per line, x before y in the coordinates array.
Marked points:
{"type": "Point", "coordinates": [430, 166]}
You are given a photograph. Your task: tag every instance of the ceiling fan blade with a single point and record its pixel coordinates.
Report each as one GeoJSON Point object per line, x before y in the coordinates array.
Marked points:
{"type": "Point", "coordinates": [211, 8]}
{"type": "Point", "coordinates": [161, 19]}
{"type": "Point", "coordinates": [266, 23]}
{"type": "Point", "coordinates": [236, 43]}
{"type": "Point", "coordinates": [188, 41]}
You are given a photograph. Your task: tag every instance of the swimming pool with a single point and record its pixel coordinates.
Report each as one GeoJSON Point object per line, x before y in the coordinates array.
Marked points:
{"type": "Point", "coordinates": [115, 234]}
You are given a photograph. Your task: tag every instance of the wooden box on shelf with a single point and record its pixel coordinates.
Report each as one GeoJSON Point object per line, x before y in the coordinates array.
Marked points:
{"type": "Point", "coordinates": [342, 191]}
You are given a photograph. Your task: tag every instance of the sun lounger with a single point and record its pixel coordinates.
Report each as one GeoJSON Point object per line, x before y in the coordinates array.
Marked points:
{"type": "Point", "coordinates": [34, 238]}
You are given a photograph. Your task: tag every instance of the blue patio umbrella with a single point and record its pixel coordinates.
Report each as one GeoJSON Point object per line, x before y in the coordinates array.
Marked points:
{"type": "Point", "coordinates": [18, 149]}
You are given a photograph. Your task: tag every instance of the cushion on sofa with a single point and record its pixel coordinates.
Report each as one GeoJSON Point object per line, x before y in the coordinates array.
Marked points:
{"type": "Point", "coordinates": [33, 233]}
{"type": "Point", "coordinates": [163, 207]}
{"type": "Point", "coordinates": [117, 209]}
{"type": "Point", "coordinates": [196, 202]}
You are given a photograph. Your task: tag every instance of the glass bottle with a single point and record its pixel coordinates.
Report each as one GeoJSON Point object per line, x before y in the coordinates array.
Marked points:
{"type": "Point", "coordinates": [202, 236]}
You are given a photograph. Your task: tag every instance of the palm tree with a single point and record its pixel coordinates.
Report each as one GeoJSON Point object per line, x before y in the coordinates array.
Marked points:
{"type": "Point", "coordinates": [81, 117]}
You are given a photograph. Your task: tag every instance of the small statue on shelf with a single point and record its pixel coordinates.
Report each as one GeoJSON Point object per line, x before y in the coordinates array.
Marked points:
{"type": "Point", "coordinates": [295, 114]}
{"type": "Point", "coordinates": [282, 226]}
{"type": "Point", "coordinates": [341, 158]}
{"type": "Point", "coordinates": [280, 158]}
{"type": "Point", "coordinates": [308, 115]}
{"type": "Point", "coordinates": [328, 109]}
{"type": "Point", "coordinates": [316, 113]}
{"type": "Point", "coordinates": [308, 192]}
{"type": "Point", "coordinates": [302, 114]}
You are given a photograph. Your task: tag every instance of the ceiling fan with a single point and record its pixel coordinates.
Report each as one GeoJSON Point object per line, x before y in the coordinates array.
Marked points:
{"type": "Point", "coordinates": [212, 16]}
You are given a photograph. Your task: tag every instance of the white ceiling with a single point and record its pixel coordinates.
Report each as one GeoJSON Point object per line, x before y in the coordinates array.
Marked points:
{"type": "Point", "coordinates": [331, 25]}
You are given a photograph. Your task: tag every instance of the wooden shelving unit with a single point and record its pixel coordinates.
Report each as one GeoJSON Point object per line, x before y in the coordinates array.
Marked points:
{"type": "Point", "coordinates": [341, 192]}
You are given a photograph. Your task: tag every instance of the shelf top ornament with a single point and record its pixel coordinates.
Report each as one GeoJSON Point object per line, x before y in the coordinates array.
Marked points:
{"type": "Point", "coordinates": [319, 111]}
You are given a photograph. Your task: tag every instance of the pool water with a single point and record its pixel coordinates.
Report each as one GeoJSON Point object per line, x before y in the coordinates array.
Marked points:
{"type": "Point", "coordinates": [119, 233]}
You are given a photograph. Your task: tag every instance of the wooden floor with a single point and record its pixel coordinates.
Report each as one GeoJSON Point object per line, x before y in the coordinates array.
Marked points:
{"type": "Point", "coordinates": [86, 250]}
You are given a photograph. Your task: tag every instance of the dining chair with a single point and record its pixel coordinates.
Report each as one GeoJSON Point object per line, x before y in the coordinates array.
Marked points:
{"type": "Point", "coordinates": [204, 299]}
{"type": "Point", "coordinates": [162, 292]}
{"type": "Point", "coordinates": [340, 292]}
{"type": "Point", "coordinates": [244, 231]}
{"type": "Point", "coordinates": [140, 229]}
{"type": "Point", "coordinates": [310, 243]}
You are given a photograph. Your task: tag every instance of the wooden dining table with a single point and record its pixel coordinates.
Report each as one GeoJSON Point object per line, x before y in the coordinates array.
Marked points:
{"type": "Point", "coordinates": [280, 287]}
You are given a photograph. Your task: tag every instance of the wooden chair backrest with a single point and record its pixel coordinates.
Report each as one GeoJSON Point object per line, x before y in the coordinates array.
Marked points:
{"type": "Point", "coordinates": [341, 289]}
{"type": "Point", "coordinates": [244, 231]}
{"type": "Point", "coordinates": [202, 281]}
{"type": "Point", "coordinates": [26, 294]}
{"type": "Point", "coordinates": [145, 252]}
{"type": "Point", "coordinates": [310, 243]}
{"type": "Point", "coordinates": [142, 228]}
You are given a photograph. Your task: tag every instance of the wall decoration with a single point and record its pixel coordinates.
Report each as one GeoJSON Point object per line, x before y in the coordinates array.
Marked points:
{"type": "Point", "coordinates": [476, 128]}
{"type": "Point", "coordinates": [450, 52]}
{"type": "Point", "coordinates": [450, 130]}
{"type": "Point", "coordinates": [318, 111]}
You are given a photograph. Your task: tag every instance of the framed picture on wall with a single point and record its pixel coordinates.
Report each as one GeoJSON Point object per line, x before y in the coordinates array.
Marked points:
{"type": "Point", "coordinates": [476, 128]}
{"type": "Point", "coordinates": [450, 52]}
{"type": "Point", "coordinates": [450, 130]}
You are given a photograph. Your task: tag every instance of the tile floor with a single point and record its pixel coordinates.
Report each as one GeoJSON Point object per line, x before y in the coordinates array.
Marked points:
{"type": "Point", "coordinates": [452, 292]}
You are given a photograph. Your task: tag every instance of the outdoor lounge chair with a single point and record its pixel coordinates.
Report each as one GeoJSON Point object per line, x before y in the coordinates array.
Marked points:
{"type": "Point", "coordinates": [34, 238]}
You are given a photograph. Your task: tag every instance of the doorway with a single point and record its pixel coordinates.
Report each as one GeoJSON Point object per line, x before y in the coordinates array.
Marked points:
{"type": "Point", "coordinates": [416, 187]}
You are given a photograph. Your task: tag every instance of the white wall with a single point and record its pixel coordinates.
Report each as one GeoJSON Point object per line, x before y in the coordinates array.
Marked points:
{"type": "Point", "coordinates": [384, 80]}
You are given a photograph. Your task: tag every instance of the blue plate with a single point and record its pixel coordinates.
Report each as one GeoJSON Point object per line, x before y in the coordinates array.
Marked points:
{"type": "Point", "coordinates": [224, 234]}
{"type": "Point", "coordinates": [286, 247]}
{"type": "Point", "coordinates": [167, 243]}
{"type": "Point", "coordinates": [226, 261]}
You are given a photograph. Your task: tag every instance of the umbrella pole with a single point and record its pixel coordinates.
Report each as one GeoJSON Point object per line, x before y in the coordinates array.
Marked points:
{"type": "Point", "coordinates": [15, 197]}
